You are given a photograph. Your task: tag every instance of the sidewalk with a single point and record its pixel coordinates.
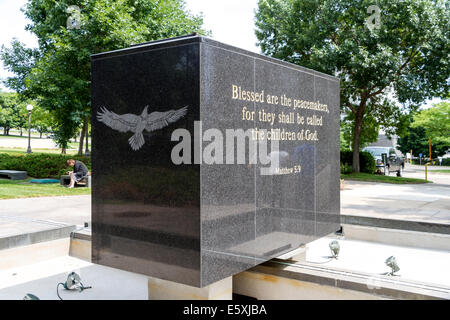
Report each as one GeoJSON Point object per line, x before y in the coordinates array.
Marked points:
{"type": "Point", "coordinates": [416, 202]}
{"type": "Point", "coordinates": [430, 168]}
{"type": "Point", "coordinates": [22, 142]}
{"type": "Point", "coordinates": [21, 218]}
{"type": "Point", "coordinates": [416, 171]}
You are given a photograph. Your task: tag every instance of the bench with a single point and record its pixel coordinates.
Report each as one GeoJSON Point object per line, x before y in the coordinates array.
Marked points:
{"type": "Point", "coordinates": [13, 174]}
{"type": "Point", "coordinates": [84, 182]}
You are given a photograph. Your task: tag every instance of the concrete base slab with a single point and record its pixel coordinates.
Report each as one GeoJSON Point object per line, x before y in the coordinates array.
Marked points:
{"type": "Point", "coordinates": [25, 255]}
{"type": "Point", "coordinates": [41, 279]}
{"type": "Point", "coordinates": [263, 286]}
{"type": "Point", "coordinates": [159, 289]}
{"type": "Point", "coordinates": [81, 249]}
{"type": "Point", "coordinates": [16, 232]}
{"type": "Point", "coordinates": [416, 264]}
{"type": "Point", "coordinates": [359, 272]}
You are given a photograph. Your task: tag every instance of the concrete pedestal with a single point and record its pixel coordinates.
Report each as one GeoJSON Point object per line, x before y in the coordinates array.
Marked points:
{"type": "Point", "coordinates": [167, 290]}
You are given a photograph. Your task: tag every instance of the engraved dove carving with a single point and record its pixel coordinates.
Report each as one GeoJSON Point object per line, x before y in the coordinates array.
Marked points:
{"type": "Point", "coordinates": [138, 123]}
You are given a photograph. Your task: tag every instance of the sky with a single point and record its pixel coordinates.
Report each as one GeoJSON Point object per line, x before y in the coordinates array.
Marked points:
{"type": "Point", "coordinates": [12, 25]}
{"type": "Point", "coordinates": [231, 22]}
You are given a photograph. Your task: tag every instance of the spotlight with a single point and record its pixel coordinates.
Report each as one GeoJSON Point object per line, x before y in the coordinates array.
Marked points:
{"type": "Point", "coordinates": [334, 247]}
{"type": "Point", "coordinates": [340, 232]}
{"type": "Point", "coordinates": [391, 262]}
{"type": "Point", "coordinates": [73, 282]}
{"type": "Point", "coordinates": [30, 296]}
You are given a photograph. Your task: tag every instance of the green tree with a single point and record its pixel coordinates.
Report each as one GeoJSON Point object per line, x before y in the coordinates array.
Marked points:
{"type": "Point", "coordinates": [41, 120]}
{"type": "Point", "coordinates": [12, 112]}
{"type": "Point", "coordinates": [416, 140]}
{"type": "Point", "coordinates": [385, 72]}
{"type": "Point", "coordinates": [59, 77]}
{"type": "Point", "coordinates": [19, 60]}
{"type": "Point", "coordinates": [436, 122]}
{"type": "Point", "coordinates": [369, 131]}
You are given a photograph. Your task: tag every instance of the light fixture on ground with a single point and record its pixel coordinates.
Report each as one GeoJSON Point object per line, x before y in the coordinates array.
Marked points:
{"type": "Point", "coordinates": [29, 108]}
{"type": "Point", "coordinates": [30, 296]}
{"type": "Point", "coordinates": [73, 282]}
{"type": "Point", "coordinates": [391, 262]}
{"type": "Point", "coordinates": [334, 247]}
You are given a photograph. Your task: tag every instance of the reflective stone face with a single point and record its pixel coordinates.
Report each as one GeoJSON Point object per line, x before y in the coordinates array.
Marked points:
{"type": "Point", "coordinates": [198, 222]}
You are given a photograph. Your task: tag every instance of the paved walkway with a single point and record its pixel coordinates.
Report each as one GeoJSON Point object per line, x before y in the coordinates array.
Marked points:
{"type": "Point", "coordinates": [415, 171]}
{"type": "Point", "coordinates": [22, 216]}
{"type": "Point", "coordinates": [13, 142]}
{"type": "Point", "coordinates": [417, 202]}
{"type": "Point", "coordinates": [41, 279]}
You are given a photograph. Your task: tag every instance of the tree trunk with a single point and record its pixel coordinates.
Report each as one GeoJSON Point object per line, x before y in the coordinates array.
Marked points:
{"type": "Point", "coordinates": [21, 132]}
{"type": "Point", "coordinates": [4, 131]}
{"type": "Point", "coordinates": [357, 136]}
{"type": "Point", "coordinates": [63, 150]}
{"type": "Point", "coordinates": [355, 166]}
{"type": "Point", "coordinates": [40, 134]}
{"type": "Point", "coordinates": [87, 136]}
{"type": "Point", "coordinates": [80, 147]}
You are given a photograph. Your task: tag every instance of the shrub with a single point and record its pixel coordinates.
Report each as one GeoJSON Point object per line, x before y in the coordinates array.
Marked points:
{"type": "Point", "coordinates": [366, 162]}
{"type": "Point", "coordinates": [346, 168]}
{"type": "Point", "coordinates": [40, 165]}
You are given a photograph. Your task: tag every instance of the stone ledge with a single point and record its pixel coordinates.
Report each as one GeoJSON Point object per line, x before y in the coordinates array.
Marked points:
{"type": "Point", "coordinates": [422, 226]}
{"type": "Point", "coordinates": [307, 281]}
{"type": "Point", "coordinates": [26, 239]}
{"type": "Point", "coordinates": [398, 237]}
{"type": "Point", "coordinates": [34, 253]}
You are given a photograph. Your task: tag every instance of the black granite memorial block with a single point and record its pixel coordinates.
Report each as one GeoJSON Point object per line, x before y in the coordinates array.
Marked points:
{"type": "Point", "coordinates": [197, 222]}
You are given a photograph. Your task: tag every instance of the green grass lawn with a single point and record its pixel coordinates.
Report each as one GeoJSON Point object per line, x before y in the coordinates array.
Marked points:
{"type": "Point", "coordinates": [10, 189]}
{"type": "Point", "coordinates": [439, 170]}
{"type": "Point", "coordinates": [381, 178]}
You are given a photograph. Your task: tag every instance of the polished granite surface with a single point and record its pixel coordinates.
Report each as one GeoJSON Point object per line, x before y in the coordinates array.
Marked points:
{"type": "Point", "coordinates": [199, 222]}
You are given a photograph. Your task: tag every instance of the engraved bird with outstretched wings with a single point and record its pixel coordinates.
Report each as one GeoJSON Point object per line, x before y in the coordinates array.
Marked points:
{"type": "Point", "coordinates": [138, 123]}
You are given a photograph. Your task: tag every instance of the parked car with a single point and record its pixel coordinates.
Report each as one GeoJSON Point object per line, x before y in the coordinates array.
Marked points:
{"type": "Point", "coordinates": [389, 163]}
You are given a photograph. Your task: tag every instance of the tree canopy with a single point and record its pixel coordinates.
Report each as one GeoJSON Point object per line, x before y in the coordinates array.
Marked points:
{"type": "Point", "coordinates": [416, 140]}
{"type": "Point", "coordinates": [436, 122]}
{"type": "Point", "coordinates": [385, 71]}
{"type": "Point", "coordinates": [12, 112]}
{"type": "Point", "coordinates": [57, 73]}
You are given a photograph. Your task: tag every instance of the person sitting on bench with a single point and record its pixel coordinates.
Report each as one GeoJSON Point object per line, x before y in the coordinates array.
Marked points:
{"type": "Point", "coordinates": [79, 171]}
